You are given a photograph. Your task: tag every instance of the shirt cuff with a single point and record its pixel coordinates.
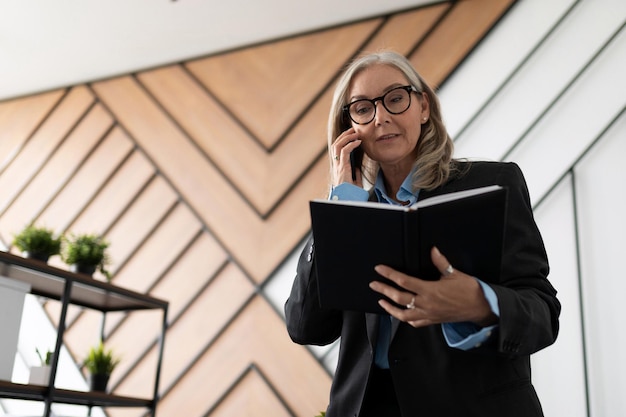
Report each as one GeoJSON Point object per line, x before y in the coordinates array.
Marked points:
{"type": "Point", "coordinates": [466, 335]}
{"type": "Point", "coordinates": [348, 192]}
{"type": "Point", "coordinates": [491, 297]}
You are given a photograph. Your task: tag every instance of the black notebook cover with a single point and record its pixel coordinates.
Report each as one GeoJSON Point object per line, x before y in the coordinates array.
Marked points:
{"type": "Point", "coordinates": [350, 238]}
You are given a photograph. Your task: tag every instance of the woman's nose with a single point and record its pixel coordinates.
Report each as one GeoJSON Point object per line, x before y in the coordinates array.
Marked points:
{"type": "Point", "coordinates": [381, 114]}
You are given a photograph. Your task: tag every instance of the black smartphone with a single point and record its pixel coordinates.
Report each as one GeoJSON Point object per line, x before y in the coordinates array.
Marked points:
{"type": "Point", "coordinates": [356, 156]}
{"type": "Point", "coordinates": [356, 159]}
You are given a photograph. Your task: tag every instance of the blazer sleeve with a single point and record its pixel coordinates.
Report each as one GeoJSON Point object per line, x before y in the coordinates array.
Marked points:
{"type": "Point", "coordinates": [307, 323]}
{"type": "Point", "coordinates": [529, 309]}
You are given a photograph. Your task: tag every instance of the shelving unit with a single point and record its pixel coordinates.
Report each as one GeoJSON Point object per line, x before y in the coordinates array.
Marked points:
{"type": "Point", "coordinates": [81, 290]}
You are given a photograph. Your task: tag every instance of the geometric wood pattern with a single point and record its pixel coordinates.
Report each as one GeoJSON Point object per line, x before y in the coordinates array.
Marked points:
{"type": "Point", "coordinates": [199, 174]}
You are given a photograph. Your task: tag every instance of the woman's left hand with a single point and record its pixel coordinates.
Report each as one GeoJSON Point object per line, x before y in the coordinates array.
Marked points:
{"type": "Point", "coordinates": [456, 297]}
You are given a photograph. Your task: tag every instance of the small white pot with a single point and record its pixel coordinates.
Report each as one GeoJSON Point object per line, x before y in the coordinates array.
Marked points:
{"type": "Point", "coordinates": [39, 375]}
{"type": "Point", "coordinates": [12, 293]}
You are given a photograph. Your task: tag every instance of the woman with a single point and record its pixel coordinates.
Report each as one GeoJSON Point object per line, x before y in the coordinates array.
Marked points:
{"type": "Point", "coordinates": [461, 347]}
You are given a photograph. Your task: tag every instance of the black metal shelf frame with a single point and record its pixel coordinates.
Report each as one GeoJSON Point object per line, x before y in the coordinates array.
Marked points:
{"type": "Point", "coordinates": [77, 289]}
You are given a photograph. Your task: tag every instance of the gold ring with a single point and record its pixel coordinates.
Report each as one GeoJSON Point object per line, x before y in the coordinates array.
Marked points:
{"type": "Point", "coordinates": [411, 305]}
{"type": "Point", "coordinates": [449, 270]}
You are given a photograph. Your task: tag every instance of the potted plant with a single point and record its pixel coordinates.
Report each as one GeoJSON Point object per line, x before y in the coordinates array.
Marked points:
{"type": "Point", "coordinates": [100, 363]}
{"type": "Point", "coordinates": [86, 253]}
{"type": "Point", "coordinates": [40, 375]}
{"type": "Point", "coordinates": [37, 243]}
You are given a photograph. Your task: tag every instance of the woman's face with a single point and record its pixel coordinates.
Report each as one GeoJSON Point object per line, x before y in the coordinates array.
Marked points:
{"type": "Point", "coordinates": [390, 139]}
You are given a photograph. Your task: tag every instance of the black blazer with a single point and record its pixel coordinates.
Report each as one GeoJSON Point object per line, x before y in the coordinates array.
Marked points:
{"type": "Point", "coordinates": [431, 378]}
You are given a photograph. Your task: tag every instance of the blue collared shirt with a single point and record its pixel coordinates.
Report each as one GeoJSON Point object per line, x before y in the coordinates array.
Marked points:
{"type": "Point", "coordinates": [461, 335]}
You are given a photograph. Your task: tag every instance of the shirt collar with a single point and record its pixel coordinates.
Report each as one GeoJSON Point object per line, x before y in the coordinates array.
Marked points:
{"type": "Point", "coordinates": [405, 193]}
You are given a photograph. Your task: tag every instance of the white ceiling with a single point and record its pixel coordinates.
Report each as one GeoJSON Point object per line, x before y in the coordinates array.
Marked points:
{"type": "Point", "coordinates": [48, 44]}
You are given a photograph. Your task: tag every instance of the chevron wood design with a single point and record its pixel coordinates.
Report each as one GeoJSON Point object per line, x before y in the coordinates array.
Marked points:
{"type": "Point", "coordinates": [275, 83]}
{"type": "Point", "coordinates": [199, 174]}
{"type": "Point", "coordinates": [252, 396]}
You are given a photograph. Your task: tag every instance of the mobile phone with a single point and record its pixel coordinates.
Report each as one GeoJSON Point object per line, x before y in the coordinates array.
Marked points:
{"type": "Point", "coordinates": [356, 156]}
{"type": "Point", "coordinates": [356, 159]}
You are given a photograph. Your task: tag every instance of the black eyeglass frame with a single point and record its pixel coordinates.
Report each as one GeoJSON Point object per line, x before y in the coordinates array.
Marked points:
{"type": "Point", "coordinates": [409, 89]}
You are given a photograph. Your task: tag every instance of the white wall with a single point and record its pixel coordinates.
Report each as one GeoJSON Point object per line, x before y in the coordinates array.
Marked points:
{"type": "Point", "coordinates": [547, 90]}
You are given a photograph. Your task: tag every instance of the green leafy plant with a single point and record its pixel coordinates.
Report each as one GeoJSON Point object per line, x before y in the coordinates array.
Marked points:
{"type": "Point", "coordinates": [38, 242]}
{"type": "Point", "coordinates": [45, 361]}
{"type": "Point", "coordinates": [87, 250]}
{"type": "Point", "coordinates": [100, 361]}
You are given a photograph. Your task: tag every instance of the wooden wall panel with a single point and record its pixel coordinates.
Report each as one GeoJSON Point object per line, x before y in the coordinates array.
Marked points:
{"type": "Point", "coordinates": [41, 145]}
{"type": "Point", "coordinates": [91, 176]}
{"type": "Point", "coordinates": [251, 396]}
{"type": "Point", "coordinates": [202, 186]}
{"type": "Point", "coordinates": [149, 261]}
{"type": "Point", "coordinates": [140, 326]}
{"type": "Point", "coordinates": [207, 315]}
{"type": "Point", "coordinates": [268, 87]}
{"type": "Point", "coordinates": [257, 336]}
{"type": "Point", "coordinates": [113, 199]}
{"type": "Point", "coordinates": [403, 32]}
{"type": "Point", "coordinates": [220, 136]}
{"type": "Point", "coordinates": [83, 332]}
{"type": "Point", "coordinates": [19, 118]}
{"type": "Point", "coordinates": [193, 271]}
{"type": "Point", "coordinates": [231, 148]}
{"type": "Point", "coordinates": [140, 219]}
{"type": "Point", "coordinates": [58, 169]}
{"type": "Point", "coordinates": [456, 36]}
{"type": "Point", "coordinates": [199, 174]}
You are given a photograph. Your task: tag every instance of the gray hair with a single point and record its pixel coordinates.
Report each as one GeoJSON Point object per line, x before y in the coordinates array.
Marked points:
{"type": "Point", "coordinates": [434, 148]}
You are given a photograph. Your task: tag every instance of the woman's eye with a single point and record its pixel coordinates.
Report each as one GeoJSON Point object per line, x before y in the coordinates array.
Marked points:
{"type": "Point", "coordinates": [363, 109]}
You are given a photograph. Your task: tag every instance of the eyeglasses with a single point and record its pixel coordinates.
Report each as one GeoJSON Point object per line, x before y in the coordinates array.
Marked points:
{"type": "Point", "coordinates": [395, 101]}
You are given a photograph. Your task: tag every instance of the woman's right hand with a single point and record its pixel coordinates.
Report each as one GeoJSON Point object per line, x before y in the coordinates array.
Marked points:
{"type": "Point", "coordinates": [341, 148]}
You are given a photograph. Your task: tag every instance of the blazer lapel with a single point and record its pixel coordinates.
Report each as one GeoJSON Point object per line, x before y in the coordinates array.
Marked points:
{"type": "Point", "coordinates": [371, 322]}
{"type": "Point", "coordinates": [395, 323]}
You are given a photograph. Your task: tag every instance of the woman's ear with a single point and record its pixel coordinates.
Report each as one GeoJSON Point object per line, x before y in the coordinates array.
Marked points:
{"type": "Point", "coordinates": [425, 106]}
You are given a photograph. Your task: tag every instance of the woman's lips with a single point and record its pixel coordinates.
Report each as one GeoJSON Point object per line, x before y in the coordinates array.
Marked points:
{"type": "Point", "coordinates": [386, 137]}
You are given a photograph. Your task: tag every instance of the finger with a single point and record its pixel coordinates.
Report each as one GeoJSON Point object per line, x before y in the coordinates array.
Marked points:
{"type": "Point", "coordinates": [412, 284]}
{"type": "Point", "coordinates": [343, 139]}
{"type": "Point", "coordinates": [397, 296]}
{"type": "Point", "coordinates": [390, 273]}
{"type": "Point", "coordinates": [411, 317]}
{"type": "Point", "coordinates": [384, 288]}
{"type": "Point", "coordinates": [341, 151]}
{"type": "Point", "coordinates": [420, 323]}
{"type": "Point", "coordinates": [350, 146]}
{"type": "Point", "coordinates": [441, 262]}
{"type": "Point", "coordinates": [400, 313]}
